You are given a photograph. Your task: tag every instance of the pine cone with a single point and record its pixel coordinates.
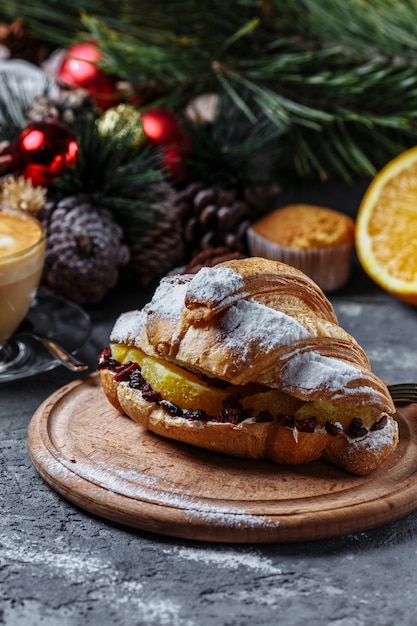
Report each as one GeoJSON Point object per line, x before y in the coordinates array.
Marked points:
{"type": "Point", "coordinates": [66, 107]}
{"type": "Point", "coordinates": [212, 218]}
{"type": "Point", "coordinates": [209, 258]}
{"type": "Point", "coordinates": [160, 248]}
{"type": "Point", "coordinates": [261, 199]}
{"type": "Point", "coordinates": [84, 250]}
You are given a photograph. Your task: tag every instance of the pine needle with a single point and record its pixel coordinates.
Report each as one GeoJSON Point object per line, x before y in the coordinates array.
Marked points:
{"type": "Point", "coordinates": [310, 67]}
{"type": "Point", "coordinates": [115, 173]}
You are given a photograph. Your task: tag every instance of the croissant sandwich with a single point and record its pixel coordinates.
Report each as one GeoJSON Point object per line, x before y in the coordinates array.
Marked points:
{"type": "Point", "coordinates": [246, 358]}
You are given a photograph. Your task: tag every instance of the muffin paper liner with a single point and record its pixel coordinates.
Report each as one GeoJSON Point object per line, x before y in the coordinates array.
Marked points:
{"type": "Point", "coordinates": [330, 267]}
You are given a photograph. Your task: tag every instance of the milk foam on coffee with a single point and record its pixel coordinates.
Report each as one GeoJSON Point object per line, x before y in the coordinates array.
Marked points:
{"type": "Point", "coordinates": [22, 250]}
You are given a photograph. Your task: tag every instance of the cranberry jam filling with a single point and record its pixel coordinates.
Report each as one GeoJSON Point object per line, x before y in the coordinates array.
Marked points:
{"type": "Point", "coordinates": [232, 412]}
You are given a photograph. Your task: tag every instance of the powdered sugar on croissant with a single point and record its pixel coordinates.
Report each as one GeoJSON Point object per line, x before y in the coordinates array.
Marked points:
{"type": "Point", "coordinates": [258, 321]}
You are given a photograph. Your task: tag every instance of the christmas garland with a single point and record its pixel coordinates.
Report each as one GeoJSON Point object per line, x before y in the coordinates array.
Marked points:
{"type": "Point", "coordinates": [121, 186]}
{"type": "Point", "coordinates": [121, 181]}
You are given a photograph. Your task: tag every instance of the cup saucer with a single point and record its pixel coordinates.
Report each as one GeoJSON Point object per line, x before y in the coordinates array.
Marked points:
{"type": "Point", "coordinates": [55, 317]}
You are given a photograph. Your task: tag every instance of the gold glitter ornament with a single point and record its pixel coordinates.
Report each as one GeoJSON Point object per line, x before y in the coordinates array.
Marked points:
{"type": "Point", "coordinates": [121, 121]}
{"type": "Point", "coordinates": [21, 195]}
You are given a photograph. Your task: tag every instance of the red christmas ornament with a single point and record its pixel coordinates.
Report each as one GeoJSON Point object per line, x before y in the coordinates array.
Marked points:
{"type": "Point", "coordinates": [42, 152]}
{"type": "Point", "coordinates": [173, 162]}
{"type": "Point", "coordinates": [162, 126]}
{"type": "Point", "coordinates": [79, 69]}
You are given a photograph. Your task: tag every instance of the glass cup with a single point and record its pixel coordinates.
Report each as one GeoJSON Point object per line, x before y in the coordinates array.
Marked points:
{"type": "Point", "coordinates": [22, 254]}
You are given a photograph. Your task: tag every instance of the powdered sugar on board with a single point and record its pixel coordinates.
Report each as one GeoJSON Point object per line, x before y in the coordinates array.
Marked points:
{"type": "Point", "coordinates": [144, 488]}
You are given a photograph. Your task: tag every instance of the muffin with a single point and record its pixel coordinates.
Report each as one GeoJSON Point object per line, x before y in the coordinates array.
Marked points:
{"type": "Point", "coordinates": [317, 240]}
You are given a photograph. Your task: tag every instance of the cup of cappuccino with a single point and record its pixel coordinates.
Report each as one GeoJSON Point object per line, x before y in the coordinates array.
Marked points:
{"type": "Point", "coordinates": [22, 253]}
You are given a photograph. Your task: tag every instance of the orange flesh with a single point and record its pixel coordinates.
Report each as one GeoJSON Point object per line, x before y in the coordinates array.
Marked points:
{"type": "Point", "coordinates": [386, 227]}
{"type": "Point", "coordinates": [189, 391]}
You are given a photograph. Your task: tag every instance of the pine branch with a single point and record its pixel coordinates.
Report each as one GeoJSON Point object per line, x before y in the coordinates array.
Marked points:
{"type": "Point", "coordinates": [376, 27]}
{"type": "Point", "coordinates": [226, 152]}
{"type": "Point", "coordinates": [341, 72]}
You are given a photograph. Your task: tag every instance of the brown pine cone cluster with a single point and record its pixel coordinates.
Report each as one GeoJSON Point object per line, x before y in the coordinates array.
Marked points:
{"type": "Point", "coordinates": [212, 218]}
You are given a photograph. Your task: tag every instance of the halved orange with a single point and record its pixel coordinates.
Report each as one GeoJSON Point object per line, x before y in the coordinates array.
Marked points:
{"type": "Point", "coordinates": [386, 227]}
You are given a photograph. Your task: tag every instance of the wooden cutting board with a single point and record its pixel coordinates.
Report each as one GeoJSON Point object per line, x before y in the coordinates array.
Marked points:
{"type": "Point", "coordinates": [110, 466]}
